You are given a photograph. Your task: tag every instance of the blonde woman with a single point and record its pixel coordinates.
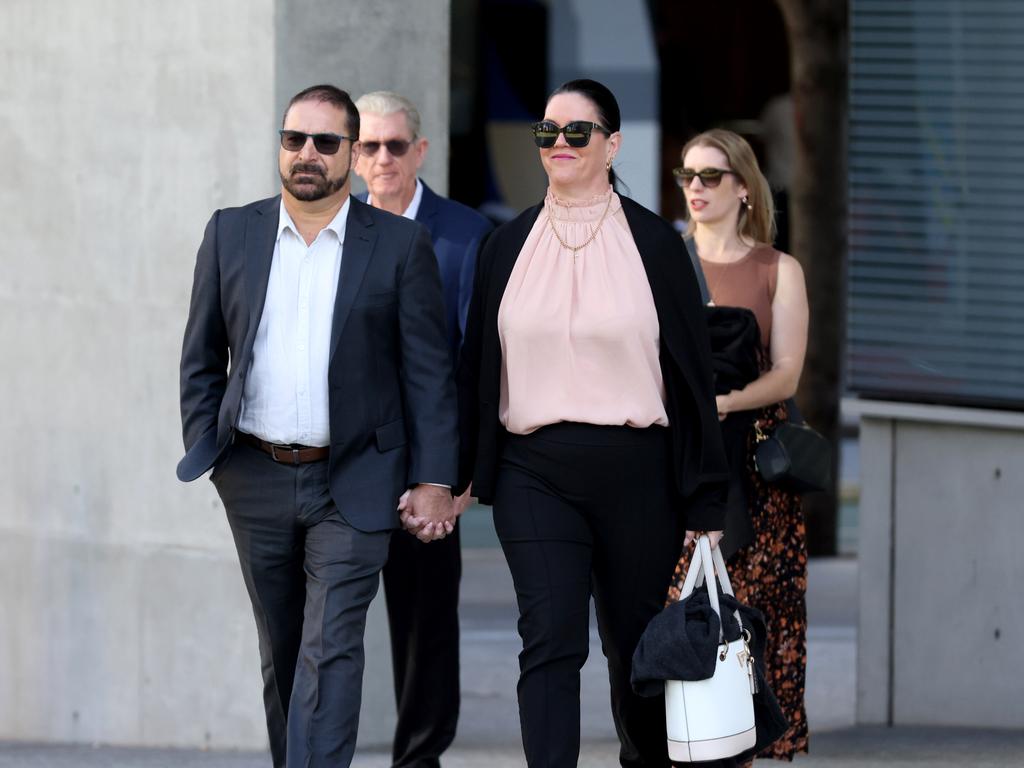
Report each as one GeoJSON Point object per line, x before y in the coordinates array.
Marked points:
{"type": "Point", "coordinates": [732, 225]}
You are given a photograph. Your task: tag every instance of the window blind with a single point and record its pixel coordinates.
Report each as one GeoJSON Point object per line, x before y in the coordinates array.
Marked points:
{"type": "Point", "coordinates": [935, 306]}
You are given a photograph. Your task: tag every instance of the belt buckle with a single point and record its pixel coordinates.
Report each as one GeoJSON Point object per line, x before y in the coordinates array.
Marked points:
{"type": "Point", "coordinates": [294, 451]}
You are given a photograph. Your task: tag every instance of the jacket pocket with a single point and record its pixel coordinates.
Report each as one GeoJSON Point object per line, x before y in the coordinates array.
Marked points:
{"type": "Point", "coordinates": [391, 435]}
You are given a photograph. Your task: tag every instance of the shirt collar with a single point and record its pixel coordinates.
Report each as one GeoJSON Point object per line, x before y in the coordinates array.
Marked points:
{"type": "Point", "coordinates": [337, 224]}
{"type": "Point", "coordinates": [414, 204]}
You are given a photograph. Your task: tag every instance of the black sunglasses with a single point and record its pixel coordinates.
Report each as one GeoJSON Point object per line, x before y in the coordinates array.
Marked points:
{"type": "Point", "coordinates": [395, 147]}
{"type": "Point", "coordinates": [577, 133]}
{"type": "Point", "coordinates": [709, 177]}
{"type": "Point", "coordinates": [325, 143]}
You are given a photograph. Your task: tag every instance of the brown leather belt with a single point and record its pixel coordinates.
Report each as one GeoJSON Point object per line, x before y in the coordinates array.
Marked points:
{"type": "Point", "coordinates": [285, 454]}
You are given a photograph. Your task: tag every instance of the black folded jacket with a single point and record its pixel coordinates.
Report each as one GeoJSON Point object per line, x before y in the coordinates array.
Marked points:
{"type": "Point", "coordinates": [735, 347]}
{"type": "Point", "coordinates": [735, 359]}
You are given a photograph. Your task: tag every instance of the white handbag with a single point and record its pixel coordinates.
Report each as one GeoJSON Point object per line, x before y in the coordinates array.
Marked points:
{"type": "Point", "coordinates": [712, 719]}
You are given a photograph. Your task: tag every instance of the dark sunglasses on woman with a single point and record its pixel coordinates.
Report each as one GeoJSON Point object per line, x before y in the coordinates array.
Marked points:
{"type": "Point", "coordinates": [325, 143]}
{"type": "Point", "coordinates": [709, 177]}
{"type": "Point", "coordinates": [577, 133]}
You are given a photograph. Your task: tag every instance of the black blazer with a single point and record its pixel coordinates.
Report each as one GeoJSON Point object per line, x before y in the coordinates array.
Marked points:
{"type": "Point", "coordinates": [701, 470]}
{"type": "Point", "coordinates": [393, 418]}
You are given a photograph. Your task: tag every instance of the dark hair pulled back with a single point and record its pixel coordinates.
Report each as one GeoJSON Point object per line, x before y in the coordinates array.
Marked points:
{"type": "Point", "coordinates": [605, 105]}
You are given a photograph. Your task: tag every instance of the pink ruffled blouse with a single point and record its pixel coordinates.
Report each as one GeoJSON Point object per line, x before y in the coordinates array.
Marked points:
{"type": "Point", "coordinates": [579, 333]}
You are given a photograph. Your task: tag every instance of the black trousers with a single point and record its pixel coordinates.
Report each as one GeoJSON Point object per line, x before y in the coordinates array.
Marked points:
{"type": "Point", "coordinates": [311, 577]}
{"type": "Point", "coordinates": [586, 510]}
{"type": "Point", "coordinates": [421, 585]}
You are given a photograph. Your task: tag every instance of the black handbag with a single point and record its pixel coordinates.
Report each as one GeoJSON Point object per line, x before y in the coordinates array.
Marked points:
{"type": "Point", "coordinates": [794, 456]}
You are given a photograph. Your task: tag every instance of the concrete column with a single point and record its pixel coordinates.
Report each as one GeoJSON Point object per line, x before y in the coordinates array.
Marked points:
{"type": "Point", "coordinates": [361, 46]}
{"type": "Point", "coordinates": [124, 618]}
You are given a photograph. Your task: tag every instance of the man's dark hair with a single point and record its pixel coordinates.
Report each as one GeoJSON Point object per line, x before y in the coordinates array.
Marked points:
{"type": "Point", "coordinates": [333, 95]}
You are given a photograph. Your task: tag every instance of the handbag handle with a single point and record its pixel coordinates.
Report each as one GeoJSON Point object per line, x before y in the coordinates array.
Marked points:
{"type": "Point", "coordinates": [705, 562]}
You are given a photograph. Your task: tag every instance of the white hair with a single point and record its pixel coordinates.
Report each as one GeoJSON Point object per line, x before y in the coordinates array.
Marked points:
{"type": "Point", "coordinates": [388, 103]}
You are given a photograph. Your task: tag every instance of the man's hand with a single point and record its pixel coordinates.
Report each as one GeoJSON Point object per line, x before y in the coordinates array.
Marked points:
{"type": "Point", "coordinates": [428, 512]}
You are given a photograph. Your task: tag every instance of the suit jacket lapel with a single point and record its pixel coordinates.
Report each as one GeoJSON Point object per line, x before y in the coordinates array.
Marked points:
{"type": "Point", "coordinates": [260, 237]}
{"type": "Point", "coordinates": [355, 257]}
{"type": "Point", "coordinates": [427, 214]}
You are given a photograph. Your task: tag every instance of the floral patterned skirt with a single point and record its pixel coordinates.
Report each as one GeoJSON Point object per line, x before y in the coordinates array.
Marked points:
{"type": "Point", "coordinates": [770, 574]}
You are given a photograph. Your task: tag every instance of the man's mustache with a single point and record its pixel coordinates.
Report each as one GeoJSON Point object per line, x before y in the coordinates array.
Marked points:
{"type": "Point", "coordinates": [307, 168]}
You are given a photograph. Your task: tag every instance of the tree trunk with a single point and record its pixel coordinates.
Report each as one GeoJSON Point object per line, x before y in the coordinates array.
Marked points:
{"type": "Point", "coordinates": [818, 36]}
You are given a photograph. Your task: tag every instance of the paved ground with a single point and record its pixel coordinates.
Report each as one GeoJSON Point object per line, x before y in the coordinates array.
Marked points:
{"type": "Point", "coordinates": [488, 731]}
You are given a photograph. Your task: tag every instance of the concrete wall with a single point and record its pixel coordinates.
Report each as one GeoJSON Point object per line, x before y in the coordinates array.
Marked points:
{"type": "Point", "coordinates": [123, 618]}
{"type": "Point", "coordinates": [364, 46]}
{"type": "Point", "coordinates": [941, 527]}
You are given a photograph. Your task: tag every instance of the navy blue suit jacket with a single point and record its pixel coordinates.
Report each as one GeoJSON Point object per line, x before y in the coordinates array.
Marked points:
{"type": "Point", "coordinates": [391, 390]}
{"type": "Point", "coordinates": [456, 231]}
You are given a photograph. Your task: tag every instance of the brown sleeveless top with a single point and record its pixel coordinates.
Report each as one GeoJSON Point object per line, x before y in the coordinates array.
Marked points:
{"type": "Point", "coordinates": [749, 282]}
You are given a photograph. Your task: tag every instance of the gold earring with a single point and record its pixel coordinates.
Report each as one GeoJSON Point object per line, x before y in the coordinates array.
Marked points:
{"type": "Point", "coordinates": [608, 165]}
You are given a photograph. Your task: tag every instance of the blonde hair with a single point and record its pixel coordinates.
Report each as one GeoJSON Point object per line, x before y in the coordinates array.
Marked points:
{"type": "Point", "coordinates": [386, 103]}
{"type": "Point", "coordinates": [758, 221]}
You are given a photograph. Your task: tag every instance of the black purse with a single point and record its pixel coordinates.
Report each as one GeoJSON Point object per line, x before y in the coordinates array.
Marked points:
{"type": "Point", "coordinates": [793, 455]}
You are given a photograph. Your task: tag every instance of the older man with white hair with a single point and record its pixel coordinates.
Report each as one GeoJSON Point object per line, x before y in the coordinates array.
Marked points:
{"type": "Point", "coordinates": [421, 580]}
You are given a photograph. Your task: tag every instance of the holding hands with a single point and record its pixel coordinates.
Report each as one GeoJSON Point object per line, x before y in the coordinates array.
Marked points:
{"type": "Point", "coordinates": [428, 512]}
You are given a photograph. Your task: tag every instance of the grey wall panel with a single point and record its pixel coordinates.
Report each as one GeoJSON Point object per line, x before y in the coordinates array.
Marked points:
{"type": "Point", "coordinates": [957, 576]}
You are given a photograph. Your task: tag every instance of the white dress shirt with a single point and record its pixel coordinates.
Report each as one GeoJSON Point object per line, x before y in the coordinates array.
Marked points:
{"type": "Point", "coordinates": [286, 396]}
{"type": "Point", "coordinates": [414, 204]}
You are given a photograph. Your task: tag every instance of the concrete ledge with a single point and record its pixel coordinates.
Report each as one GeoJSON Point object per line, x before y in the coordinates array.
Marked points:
{"type": "Point", "coordinates": [932, 414]}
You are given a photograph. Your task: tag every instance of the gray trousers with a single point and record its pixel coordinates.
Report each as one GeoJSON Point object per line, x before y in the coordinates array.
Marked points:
{"type": "Point", "coordinates": [311, 577]}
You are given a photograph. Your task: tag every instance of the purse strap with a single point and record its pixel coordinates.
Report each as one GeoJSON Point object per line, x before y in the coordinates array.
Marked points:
{"type": "Point", "coordinates": [691, 249]}
{"type": "Point", "coordinates": [704, 563]}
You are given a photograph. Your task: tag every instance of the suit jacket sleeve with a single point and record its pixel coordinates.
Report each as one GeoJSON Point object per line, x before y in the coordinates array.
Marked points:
{"type": "Point", "coordinates": [466, 272]}
{"type": "Point", "coordinates": [204, 353]}
{"type": "Point", "coordinates": [469, 372]}
{"type": "Point", "coordinates": [427, 381]}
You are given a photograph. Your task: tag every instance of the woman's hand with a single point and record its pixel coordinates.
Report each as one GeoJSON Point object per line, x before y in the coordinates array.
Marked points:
{"type": "Point", "coordinates": [724, 404]}
{"type": "Point", "coordinates": [713, 536]}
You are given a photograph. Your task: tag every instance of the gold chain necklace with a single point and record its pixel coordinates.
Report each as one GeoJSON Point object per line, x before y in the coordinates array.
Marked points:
{"type": "Point", "coordinates": [593, 232]}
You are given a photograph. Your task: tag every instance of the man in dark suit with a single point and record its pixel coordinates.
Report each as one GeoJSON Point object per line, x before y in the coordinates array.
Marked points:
{"type": "Point", "coordinates": [316, 381]}
{"type": "Point", "coordinates": [421, 581]}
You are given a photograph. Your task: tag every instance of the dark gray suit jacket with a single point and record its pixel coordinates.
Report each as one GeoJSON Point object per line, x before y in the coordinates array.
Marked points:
{"type": "Point", "coordinates": [393, 417]}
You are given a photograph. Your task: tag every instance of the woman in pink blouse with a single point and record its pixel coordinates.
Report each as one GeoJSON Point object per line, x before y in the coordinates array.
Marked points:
{"type": "Point", "coordinates": [588, 421]}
